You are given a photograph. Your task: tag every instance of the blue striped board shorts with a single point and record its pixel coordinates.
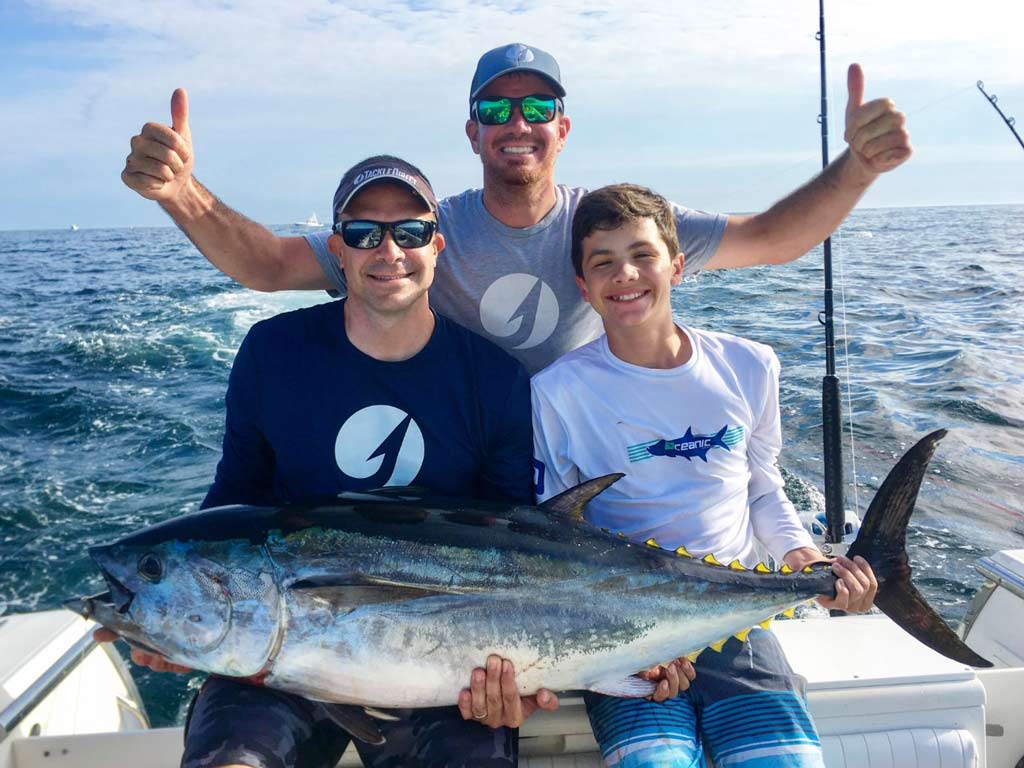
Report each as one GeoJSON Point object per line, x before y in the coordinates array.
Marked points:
{"type": "Point", "coordinates": [746, 706]}
{"type": "Point", "coordinates": [233, 722]}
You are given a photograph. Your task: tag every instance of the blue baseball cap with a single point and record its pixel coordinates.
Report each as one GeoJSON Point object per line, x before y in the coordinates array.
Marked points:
{"type": "Point", "coordinates": [515, 57]}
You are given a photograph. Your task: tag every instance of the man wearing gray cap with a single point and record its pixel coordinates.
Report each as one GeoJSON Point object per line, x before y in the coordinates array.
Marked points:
{"type": "Point", "coordinates": [506, 272]}
{"type": "Point", "coordinates": [371, 391]}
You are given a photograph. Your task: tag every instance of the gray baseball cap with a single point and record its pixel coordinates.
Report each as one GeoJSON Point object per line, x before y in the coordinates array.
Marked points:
{"type": "Point", "coordinates": [515, 57]}
{"type": "Point", "coordinates": [382, 168]}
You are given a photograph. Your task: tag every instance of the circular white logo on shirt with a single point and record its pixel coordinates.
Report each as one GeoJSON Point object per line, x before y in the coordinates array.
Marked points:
{"type": "Point", "coordinates": [380, 442]}
{"type": "Point", "coordinates": [521, 309]}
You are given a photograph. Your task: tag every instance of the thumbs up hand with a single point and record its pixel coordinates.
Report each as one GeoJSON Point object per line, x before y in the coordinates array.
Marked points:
{"type": "Point", "coordinates": [161, 161]}
{"type": "Point", "coordinates": [875, 131]}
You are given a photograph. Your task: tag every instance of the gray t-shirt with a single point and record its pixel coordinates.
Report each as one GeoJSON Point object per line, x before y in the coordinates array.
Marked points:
{"type": "Point", "coordinates": [515, 286]}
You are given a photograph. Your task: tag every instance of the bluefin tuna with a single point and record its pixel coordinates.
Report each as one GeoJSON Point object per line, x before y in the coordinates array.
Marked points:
{"type": "Point", "coordinates": [390, 599]}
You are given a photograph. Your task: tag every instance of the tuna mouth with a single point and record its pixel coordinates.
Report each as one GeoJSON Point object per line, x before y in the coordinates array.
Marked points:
{"type": "Point", "coordinates": [116, 600]}
{"type": "Point", "coordinates": [120, 596]}
{"type": "Point", "coordinates": [117, 597]}
{"type": "Point", "coordinates": [86, 606]}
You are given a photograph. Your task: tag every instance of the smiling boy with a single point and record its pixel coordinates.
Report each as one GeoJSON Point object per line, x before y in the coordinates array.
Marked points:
{"type": "Point", "coordinates": [692, 419]}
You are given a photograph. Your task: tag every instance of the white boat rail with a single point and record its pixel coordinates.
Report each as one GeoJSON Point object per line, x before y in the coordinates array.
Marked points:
{"type": "Point", "coordinates": [17, 710]}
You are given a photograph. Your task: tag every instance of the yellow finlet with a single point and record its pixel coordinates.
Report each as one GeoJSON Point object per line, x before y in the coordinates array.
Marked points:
{"type": "Point", "coordinates": [742, 635]}
{"type": "Point", "coordinates": [710, 559]}
{"type": "Point", "coordinates": [621, 535]}
{"type": "Point", "coordinates": [693, 656]}
{"type": "Point", "coordinates": [789, 613]}
{"type": "Point", "coordinates": [652, 543]}
{"type": "Point", "coordinates": [736, 565]}
{"type": "Point", "coordinates": [785, 569]}
{"type": "Point", "coordinates": [807, 569]}
{"type": "Point", "coordinates": [766, 623]}
{"type": "Point", "coordinates": [681, 551]}
{"type": "Point", "coordinates": [762, 568]}
{"type": "Point", "coordinates": [717, 646]}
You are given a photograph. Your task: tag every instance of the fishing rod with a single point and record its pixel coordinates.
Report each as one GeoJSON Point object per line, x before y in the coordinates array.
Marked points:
{"type": "Point", "coordinates": [992, 99]}
{"type": "Point", "coordinates": [831, 410]}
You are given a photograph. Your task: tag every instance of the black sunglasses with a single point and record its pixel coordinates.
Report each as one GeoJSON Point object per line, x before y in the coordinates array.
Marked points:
{"type": "Point", "coordinates": [536, 109]}
{"type": "Point", "coordinates": [366, 234]}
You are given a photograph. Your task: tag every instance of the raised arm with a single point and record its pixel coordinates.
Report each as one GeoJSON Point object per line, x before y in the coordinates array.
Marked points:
{"type": "Point", "coordinates": [160, 168]}
{"type": "Point", "coordinates": [878, 142]}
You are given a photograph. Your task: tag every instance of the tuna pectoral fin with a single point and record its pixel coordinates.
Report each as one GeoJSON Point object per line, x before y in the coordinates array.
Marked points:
{"type": "Point", "coordinates": [349, 596]}
{"type": "Point", "coordinates": [572, 501]}
{"type": "Point", "coordinates": [355, 720]}
{"type": "Point", "coordinates": [882, 541]}
{"type": "Point", "coordinates": [632, 687]}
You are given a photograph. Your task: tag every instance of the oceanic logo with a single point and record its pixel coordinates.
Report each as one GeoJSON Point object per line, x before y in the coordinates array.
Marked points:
{"type": "Point", "coordinates": [689, 446]}
{"type": "Point", "coordinates": [381, 444]}
{"type": "Point", "coordinates": [520, 308]}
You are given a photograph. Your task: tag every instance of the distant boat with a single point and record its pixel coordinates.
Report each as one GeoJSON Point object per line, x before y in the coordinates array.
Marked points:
{"type": "Point", "coordinates": [312, 221]}
{"type": "Point", "coordinates": [74, 227]}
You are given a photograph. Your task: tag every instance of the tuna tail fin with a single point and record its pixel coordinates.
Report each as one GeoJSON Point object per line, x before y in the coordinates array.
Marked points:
{"type": "Point", "coordinates": [882, 541]}
{"type": "Point", "coordinates": [572, 501]}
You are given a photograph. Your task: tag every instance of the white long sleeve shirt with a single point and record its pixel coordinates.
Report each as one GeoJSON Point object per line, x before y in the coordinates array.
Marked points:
{"type": "Point", "coordinates": [698, 445]}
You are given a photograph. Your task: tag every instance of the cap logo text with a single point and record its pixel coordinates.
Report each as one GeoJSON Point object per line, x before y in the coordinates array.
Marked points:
{"type": "Point", "coordinates": [374, 173]}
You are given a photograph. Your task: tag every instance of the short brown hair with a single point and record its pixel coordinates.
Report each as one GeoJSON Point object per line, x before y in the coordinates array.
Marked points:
{"type": "Point", "coordinates": [610, 207]}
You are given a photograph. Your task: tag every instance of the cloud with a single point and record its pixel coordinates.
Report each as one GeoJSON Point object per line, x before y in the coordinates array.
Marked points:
{"type": "Point", "coordinates": [292, 91]}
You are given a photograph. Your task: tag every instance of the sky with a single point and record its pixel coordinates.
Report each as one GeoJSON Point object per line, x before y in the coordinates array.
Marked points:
{"type": "Point", "coordinates": [712, 104]}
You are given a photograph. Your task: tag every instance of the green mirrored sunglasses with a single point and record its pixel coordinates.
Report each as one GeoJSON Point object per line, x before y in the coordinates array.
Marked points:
{"type": "Point", "coordinates": [535, 109]}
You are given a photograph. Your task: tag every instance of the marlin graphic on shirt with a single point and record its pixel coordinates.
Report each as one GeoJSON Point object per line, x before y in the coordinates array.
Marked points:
{"type": "Point", "coordinates": [689, 446]}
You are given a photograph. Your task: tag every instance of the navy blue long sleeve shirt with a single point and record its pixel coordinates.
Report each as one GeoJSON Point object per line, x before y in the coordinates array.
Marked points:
{"type": "Point", "coordinates": [310, 416]}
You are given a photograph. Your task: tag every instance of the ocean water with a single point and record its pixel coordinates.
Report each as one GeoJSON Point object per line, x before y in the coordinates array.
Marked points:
{"type": "Point", "coordinates": [115, 348]}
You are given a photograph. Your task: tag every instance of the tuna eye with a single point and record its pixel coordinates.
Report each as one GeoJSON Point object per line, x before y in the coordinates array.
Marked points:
{"type": "Point", "coordinates": [150, 567]}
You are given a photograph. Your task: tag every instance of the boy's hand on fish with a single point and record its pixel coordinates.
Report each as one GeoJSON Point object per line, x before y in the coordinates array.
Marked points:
{"type": "Point", "coordinates": [493, 699]}
{"type": "Point", "coordinates": [671, 678]}
{"type": "Point", "coordinates": [154, 661]}
{"type": "Point", "coordinates": [856, 586]}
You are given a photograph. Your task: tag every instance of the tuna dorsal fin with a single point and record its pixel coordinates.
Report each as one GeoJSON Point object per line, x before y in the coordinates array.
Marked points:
{"type": "Point", "coordinates": [572, 501]}
{"type": "Point", "coordinates": [399, 491]}
{"type": "Point", "coordinates": [631, 687]}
